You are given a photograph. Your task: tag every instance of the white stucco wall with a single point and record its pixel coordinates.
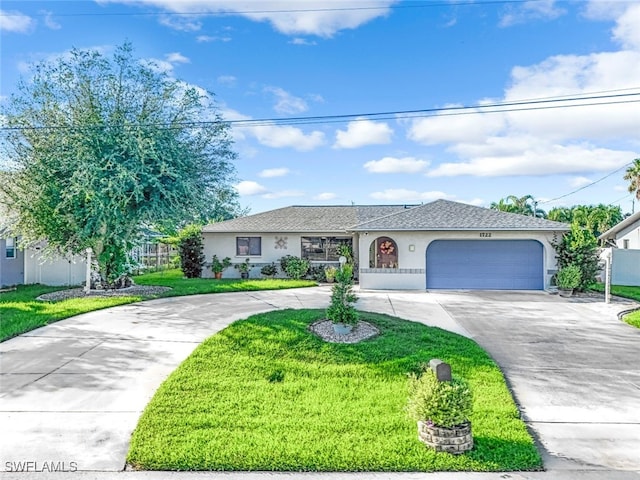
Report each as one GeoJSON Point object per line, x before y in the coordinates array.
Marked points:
{"type": "Point", "coordinates": [625, 267]}
{"type": "Point", "coordinates": [53, 271]}
{"type": "Point", "coordinates": [411, 273]}
{"type": "Point", "coordinates": [224, 245]}
{"type": "Point", "coordinates": [632, 234]}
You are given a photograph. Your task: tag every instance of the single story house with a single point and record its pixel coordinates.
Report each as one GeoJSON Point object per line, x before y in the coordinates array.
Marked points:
{"type": "Point", "coordinates": [624, 240]}
{"type": "Point", "coordinates": [25, 266]}
{"type": "Point", "coordinates": [438, 245]}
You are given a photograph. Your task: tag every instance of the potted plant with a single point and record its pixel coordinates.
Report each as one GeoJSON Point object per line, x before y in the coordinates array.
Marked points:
{"type": "Point", "coordinates": [217, 265]}
{"type": "Point", "coordinates": [269, 270]}
{"type": "Point", "coordinates": [330, 273]}
{"type": "Point", "coordinates": [567, 279]}
{"type": "Point", "coordinates": [243, 268]}
{"type": "Point", "coordinates": [442, 410]}
{"type": "Point", "coordinates": [341, 310]}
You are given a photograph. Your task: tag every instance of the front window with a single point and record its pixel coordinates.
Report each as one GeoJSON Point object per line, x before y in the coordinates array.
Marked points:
{"type": "Point", "coordinates": [248, 246]}
{"type": "Point", "coordinates": [322, 249]}
{"type": "Point", "coordinates": [10, 247]}
{"type": "Point", "coordinates": [383, 253]}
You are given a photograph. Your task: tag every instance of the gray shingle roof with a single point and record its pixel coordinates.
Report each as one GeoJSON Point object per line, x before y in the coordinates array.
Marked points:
{"type": "Point", "coordinates": [323, 219]}
{"type": "Point", "coordinates": [447, 215]}
{"type": "Point", "coordinates": [438, 215]}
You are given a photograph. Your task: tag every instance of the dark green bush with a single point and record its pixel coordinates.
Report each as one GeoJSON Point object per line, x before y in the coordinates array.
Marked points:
{"type": "Point", "coordinates": [190, 249]}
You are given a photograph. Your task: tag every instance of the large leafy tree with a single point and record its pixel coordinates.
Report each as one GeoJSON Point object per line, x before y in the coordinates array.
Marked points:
{"type": "Point", "coordinates": [98, 146]}
{"type": "Point", "coordinates": [632, 175]}
{"type": "Point", "coordinates": [525, 205]}
{"type": "Point", "coordinates": [595, 218]}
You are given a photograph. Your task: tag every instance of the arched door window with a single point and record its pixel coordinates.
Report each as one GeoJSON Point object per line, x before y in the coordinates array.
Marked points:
{"type": "Point", "coordinates": [383, 253]}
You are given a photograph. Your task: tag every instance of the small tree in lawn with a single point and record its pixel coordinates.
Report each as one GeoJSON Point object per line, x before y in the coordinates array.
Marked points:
{"type": "Point", "coordinates": [341, 309]}
{"type": "Point", "coordinates": [190, 248]}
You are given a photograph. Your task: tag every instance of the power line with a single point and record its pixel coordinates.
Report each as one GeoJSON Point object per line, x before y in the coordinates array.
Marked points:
{"type": "Point", "coordinates": [588, 185]}
{"type": "Point", "coordinates": [229, 12]}
{"type": "Point", "coordinates": [498, 107]}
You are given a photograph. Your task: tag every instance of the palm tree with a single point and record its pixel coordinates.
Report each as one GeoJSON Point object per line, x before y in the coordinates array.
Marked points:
{"type": "Point", "coordinates": [633, 176]}
{"type": "Point", "coordinates": [526, 205]}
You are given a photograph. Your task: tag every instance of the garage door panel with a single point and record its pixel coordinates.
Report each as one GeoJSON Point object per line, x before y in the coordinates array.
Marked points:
{"type": "Point", "coordinates": [485, 264]}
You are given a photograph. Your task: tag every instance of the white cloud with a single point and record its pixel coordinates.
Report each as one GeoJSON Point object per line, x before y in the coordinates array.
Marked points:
{"type": "Point", "coordinates": [285, 136]}
{"type": "Point", "coordinates": [531, 10]}
{"type": "Point", "coordinates": [16, 22]}
{"type": "Point", "coordinates": [283, 194]}
{"type": "Point", "coordinates": [396, 165]}
{"type": "Point", "coordinates": [315, 97]}
{"type": "Point", "coordinates": [209, 38]}
{"type": "Point", "coordinates": [49, 21]}
{"type": "Point", "coordinates": [627, 30]}
{"type": "Point", "coordinates": [621, 188]}
{"type": "Point", "coordinates": [404, 195]}
{"type": "Point", "coordinates": [227, 80]}
{"type": "Point", "coordinates": [183, 23]}
{"type": "Point", "coordinates": [249, 188]}
{"type": "Point", "coordinates": [363, 132]}
{"type": "Point", "coordinates": [311, 17]}
{"type": "Point", "coordinates": [302, 41]}
{"type": "Point", "coordinates": [504, 156]}
{"type": "Point", "coordinates": [274, 172]}
{"type": "Point", "coordinates": [572, 138]}
{"type": "Point", "coordinates": [455, 128]}
{"type": "Point", "coordinates": [577, 182]}
{"type": "Point", "coordinates": [285, 102]}
{"type": "Point", "coordinates": [325, 196]}
{"type": "Point", "coordinates": [176, 57]}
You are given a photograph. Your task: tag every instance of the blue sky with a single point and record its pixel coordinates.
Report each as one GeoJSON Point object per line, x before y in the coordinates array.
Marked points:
{"type": "Point", "coordinates": [283, 59]}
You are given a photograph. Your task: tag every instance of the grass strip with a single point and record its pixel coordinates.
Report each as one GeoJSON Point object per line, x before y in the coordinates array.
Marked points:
{"type": "Point", "coordinates": [266, 394]}
{"type": "Point", "coordinates": [20, 312]}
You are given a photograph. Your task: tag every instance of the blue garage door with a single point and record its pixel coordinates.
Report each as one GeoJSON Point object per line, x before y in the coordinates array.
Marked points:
{"type": "Point", "coordinates": [485, 264]}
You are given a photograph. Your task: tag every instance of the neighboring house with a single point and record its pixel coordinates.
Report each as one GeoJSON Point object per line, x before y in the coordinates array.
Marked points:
{"type": "Point", "coordinates": [19, 266]}
{"type": "Point", "coordinates": [11, 262]}
{"type": "Point", "coordinates": [625, 260]}
{"type": "Point", "coordinates": [625, 234]}
{"type": "Point", "coordinates": [438, 245]}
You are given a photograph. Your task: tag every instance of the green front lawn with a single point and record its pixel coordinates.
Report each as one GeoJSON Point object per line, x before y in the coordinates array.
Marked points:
{"type": "Point", "coordinates": [20, 312]}
{"type": "Point", "coordinates": [267, 394]}
{"type": "Point", "coordinates": [633, 293]}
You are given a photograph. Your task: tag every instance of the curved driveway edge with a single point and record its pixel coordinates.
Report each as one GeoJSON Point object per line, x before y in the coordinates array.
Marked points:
{"type": "Point", "coordinates": [72, 392]}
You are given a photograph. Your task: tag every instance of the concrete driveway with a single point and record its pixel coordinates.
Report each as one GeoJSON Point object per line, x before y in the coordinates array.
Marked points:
{"type": "Point", "coordinates": [573, 367]}
{"type": "Point", "coordinates": [72, 392]}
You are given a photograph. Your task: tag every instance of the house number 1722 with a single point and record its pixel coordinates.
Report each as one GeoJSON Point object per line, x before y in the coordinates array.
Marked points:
{"type": "Point", "coordinates": [485, 234]}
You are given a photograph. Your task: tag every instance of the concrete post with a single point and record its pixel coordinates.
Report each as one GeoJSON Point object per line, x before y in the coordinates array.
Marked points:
{"type": "Point", "coordinates": [87, 285]}
{"type": "Point", "coordinates": [607, 275]}
{"type": "Point", "coordinates": [441, 369]}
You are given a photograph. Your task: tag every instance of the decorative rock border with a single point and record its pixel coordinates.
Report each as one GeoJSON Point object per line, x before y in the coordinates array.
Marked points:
{"type": "Point", "coordinates": [362, 331]}
{"type": "Point", "coordinates": [122, 292]}
{"type": "Point", "coordinates": [454, 440]}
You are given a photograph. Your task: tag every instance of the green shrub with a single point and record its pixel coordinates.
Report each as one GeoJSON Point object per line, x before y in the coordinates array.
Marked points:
{"type": "Point", "coordinates": [579, 247]}
{"type": "Point", "coordinates": [330, 273]}
{"type": "Point", "coordinates": [217, 265]}
{"type": "Point", "coordinates": [190, 249]}
{"type": "Point", "coordinates": [444, 404]}
{"type": "Point", "coordinates": [341, 309]}
{"type": "Point", "coordinates": [269, 270]}
{"type": "Point", "coordinates": [294, 267]}
{"type": "Point", "coordinates": [569, 277]}
{"type": "Point", "coordinates": [317, 273]}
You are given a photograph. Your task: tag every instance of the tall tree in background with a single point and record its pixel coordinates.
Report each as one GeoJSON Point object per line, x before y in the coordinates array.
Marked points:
{"type": "Point", "coordinates": [632, 175]}
{"type": "Point", "coordinates": [525, 205]}
{"type": "Point", "coordinates": [595, 218]}
{"type": "Point", "coordinates": [99, 146]}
